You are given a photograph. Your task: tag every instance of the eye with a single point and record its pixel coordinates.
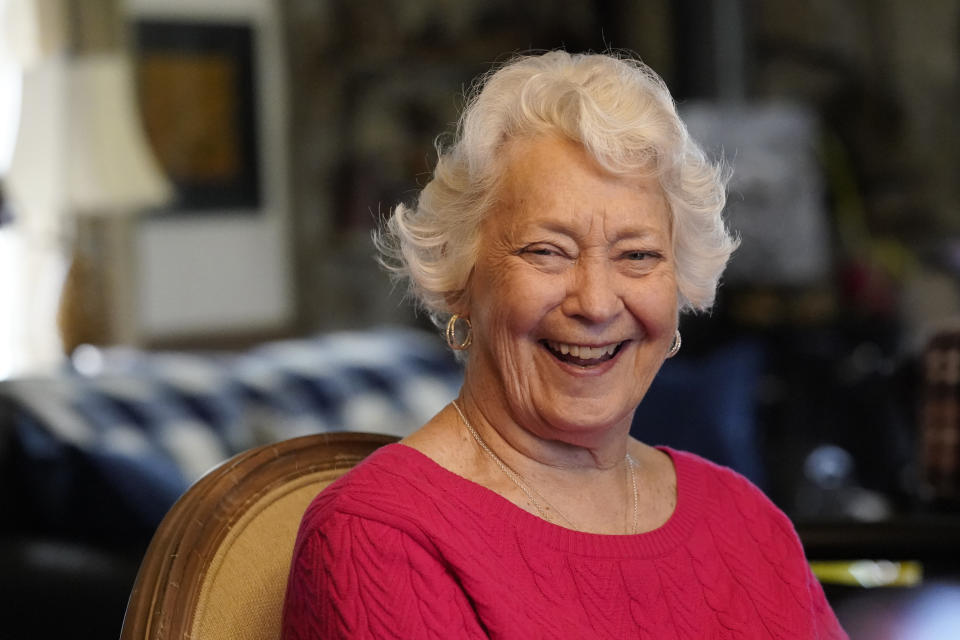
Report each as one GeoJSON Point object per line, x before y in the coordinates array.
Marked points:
{"type": "Point", "coordinates": [640, 262]}
{"type": "Point", "coordinates": [545, 256]}
{"type": "Point", "coordinates": [543, 250]}
{"type": "Point", "coordinates": [640, 256]}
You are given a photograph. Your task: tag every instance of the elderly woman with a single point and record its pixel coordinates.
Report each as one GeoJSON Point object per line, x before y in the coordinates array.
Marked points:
{"type": "Point", "coordinates": [563, 232]}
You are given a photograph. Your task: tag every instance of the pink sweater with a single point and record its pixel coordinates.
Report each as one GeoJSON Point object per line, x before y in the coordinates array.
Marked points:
{"type": "Point", "coordinates": [402, 548]}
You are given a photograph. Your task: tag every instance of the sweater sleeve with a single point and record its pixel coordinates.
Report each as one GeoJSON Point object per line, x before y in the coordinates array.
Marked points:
{"type": "Point", "coordinates": [352, 577]}
{"type": "Point", "coordinates": [825, 620]}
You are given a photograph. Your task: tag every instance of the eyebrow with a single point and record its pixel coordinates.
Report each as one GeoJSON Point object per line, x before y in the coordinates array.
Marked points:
{"type": "Point", "coordinates": [640, 234]}
{"type": "Point", "coordinates": [629, 233]}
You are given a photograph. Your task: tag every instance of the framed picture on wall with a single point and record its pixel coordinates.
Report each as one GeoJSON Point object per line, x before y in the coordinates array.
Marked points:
{"type": "Point", "coordinates": [197, 93]}
{"type": "Point", "coordinates": [215, 266]}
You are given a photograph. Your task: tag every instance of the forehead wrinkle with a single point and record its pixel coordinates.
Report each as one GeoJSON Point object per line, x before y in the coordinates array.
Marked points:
{"type": "Point", "coordinates": [640, 232]}
{"type": "Point", "coordinates": [521, 195]}
{"type": "Point", "coordinates": [569, 227]}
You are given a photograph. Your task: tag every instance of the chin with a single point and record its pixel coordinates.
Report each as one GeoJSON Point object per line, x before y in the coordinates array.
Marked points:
{"type": "Point", "coordinates": [586, 416]}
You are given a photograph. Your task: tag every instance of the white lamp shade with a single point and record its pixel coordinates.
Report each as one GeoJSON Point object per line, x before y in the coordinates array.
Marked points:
{"type": "Point", "coordinates": [80, 148]}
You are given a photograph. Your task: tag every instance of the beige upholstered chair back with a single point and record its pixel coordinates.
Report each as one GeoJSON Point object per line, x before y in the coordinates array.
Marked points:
{"type": "Point", "coordinates": [217, 566]}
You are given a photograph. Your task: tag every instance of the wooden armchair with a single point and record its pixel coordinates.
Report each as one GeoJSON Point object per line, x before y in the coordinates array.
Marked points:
{"type": "Point", "coordinates": [217, 566]}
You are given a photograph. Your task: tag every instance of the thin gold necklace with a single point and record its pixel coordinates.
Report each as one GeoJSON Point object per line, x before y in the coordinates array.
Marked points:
{"type": "Point", "coordinates": [529, 492]}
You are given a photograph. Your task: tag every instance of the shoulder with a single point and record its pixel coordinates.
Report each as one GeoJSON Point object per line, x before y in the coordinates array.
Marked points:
{"type": "Point", "coordinates": [394, 473]}
{"type": "Point", "coordinates": [741, 521]}
{"type": "Point", "coordinates": [396, 486]}
{"type": "Point", "coordinates": [727, 498]}
{"type": "Point", "coordinates": [366, 561]}
{"type": "Point", "coordinates": [718, 481]}
{"type": "Point", "coordinates": [742, 534]}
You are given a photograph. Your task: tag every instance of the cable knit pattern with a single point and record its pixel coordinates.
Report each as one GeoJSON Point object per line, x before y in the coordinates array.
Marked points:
{"type": "Point", "coordinates": [402, 548]}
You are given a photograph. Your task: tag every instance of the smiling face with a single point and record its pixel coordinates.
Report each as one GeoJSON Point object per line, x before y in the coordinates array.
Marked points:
{"type": "Point", "coordinates": [573, 297]}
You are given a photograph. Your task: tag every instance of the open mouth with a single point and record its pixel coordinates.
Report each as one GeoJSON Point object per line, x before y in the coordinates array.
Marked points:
{"type": "Point", "coordinates": [581, 355]}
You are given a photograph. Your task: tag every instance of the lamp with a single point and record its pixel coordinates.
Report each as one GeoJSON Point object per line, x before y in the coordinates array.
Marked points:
{"type": "Point", "coordinates": [81, 170]}
{"type": "Point", "coordinates": [80, 147]}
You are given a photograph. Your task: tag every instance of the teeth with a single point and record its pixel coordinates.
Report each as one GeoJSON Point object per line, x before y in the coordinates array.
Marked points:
{"type": "Point", "coordinates": [582, 352]}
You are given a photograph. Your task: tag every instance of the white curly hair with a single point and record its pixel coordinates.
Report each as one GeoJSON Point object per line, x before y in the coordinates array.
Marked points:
{"type": "Point", "coordinates": [622, 113]}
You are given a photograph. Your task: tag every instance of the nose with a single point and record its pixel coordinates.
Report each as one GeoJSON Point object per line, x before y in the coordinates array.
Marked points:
{"type": "Point", "coordinates": [592, 293]}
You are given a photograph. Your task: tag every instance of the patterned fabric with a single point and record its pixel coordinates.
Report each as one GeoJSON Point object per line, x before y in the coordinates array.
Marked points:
{"type": "Point", "coordinates": [129, 440]}
{"type": "Point", "coordinates": [402, 548]}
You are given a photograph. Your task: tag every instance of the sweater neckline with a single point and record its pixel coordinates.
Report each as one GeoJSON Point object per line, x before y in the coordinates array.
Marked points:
{"type": "Point", "coordinates": [507, 515]}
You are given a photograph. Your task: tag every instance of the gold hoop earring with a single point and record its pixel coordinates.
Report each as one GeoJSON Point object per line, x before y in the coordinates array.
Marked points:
{"type": "Point", "coordinates": [451, 333]}
{"type": "Point", "coordinates": [675, 345]}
